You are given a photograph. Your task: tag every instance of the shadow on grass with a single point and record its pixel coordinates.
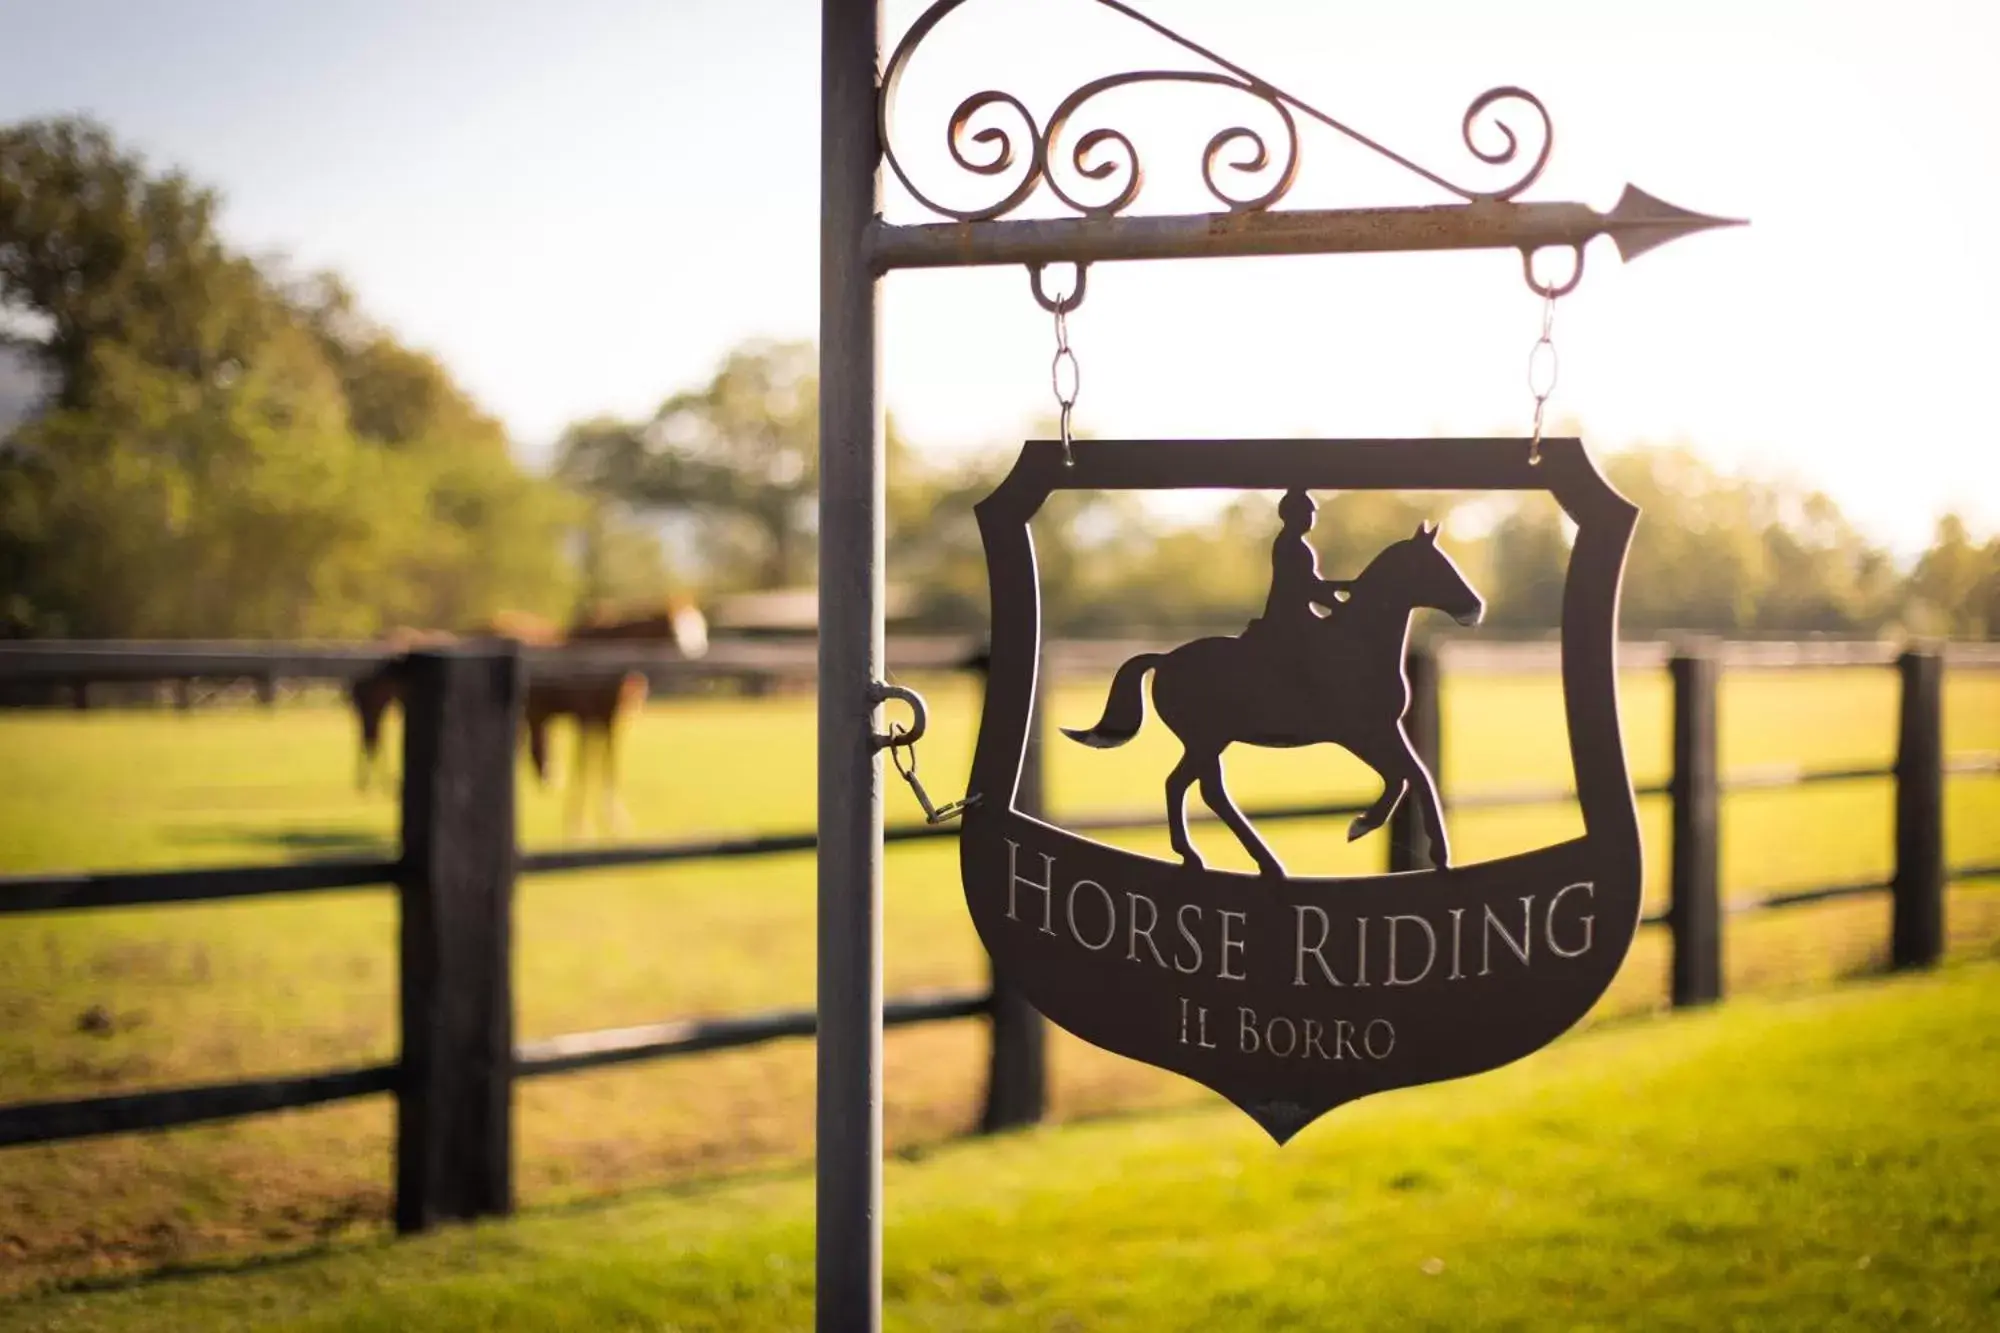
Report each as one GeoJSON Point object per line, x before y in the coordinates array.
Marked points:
{"type": "Point", "coordinates": [690, 1186]}
{"type": "Point", "coordinates": [1872, 966]}
{"type": "Point", "coordinates": [302, 841]}
{"type": "Point", "coordinates": [695, 1186]}
{"type": "Point", "coordinates": [195, 1270]}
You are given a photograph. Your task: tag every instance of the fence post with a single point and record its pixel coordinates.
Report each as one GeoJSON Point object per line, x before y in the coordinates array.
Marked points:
{"type": "Point", "coordinates": [1917, 936]}
{"type": "Point", "coordinates": [1017, 1078]}
{"type": "Point", "coordinates": [454, 1104]}
{"type": "Point", "coordinates": [1695, 913]}
{"type": "Point", "coordinates": [1409, 846]}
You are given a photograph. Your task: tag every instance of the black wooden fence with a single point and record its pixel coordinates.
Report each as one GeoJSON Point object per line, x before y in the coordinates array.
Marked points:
{"type": "Point", "coordinates": [459, 860]}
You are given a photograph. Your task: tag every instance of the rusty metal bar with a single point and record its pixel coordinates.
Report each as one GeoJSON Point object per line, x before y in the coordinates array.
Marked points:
{"type": "Point", "coordinates": [1483, 226]}
{"type": "Point", "coordinates": [1637, 223]}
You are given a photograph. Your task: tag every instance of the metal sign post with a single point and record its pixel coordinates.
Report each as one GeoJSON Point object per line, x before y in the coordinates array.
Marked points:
{"type": "Point", "coordinates": [993, 136]}
{"type": "Point", "coordinates": [849, 1114]}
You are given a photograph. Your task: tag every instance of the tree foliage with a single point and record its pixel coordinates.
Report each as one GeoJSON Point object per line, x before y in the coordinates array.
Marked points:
{"type": "Point", "coordinates": [225, 454]}
{"type": "Point", "coordinates": [1955, 587]}
{"type": "Point", "coordinates": [222, 450]}
{"type": "Point", "coordinates": [1712, 552]}
{"type": "Point", "coordinates": [100, 253]}
{"type": "Point", "coordinates": [740, 455]}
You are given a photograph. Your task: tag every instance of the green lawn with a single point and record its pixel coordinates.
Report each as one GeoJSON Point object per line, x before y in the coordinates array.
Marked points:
{"type": "Point", "coordinates": [1814, 1163]}
{"type": "Point", "coordinates": [205, 992]}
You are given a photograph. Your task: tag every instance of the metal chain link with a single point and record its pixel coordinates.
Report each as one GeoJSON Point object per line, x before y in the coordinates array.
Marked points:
{"type": "Point", "coordinates": [1063, 367]}
{"type": "Point", "coordinates": [901, 744]}
{"type": "Point", "coordinates": [1065, 359]}
{"type": "Point", "coordinates": [1542, 355]}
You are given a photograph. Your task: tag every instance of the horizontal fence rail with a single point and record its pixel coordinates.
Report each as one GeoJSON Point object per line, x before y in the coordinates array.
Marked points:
{"type": "Point", "coordinates": [69, 661]}
{"type": "Point", "coordinates": [169, 1108]}
{"type": "Point", "coordinates": [85, 891]}
{"type": "Point", "coordinates": [459, 712]}
{"type": "Point", "coordinates": [171, 659]}
{"type": "Point", "coordinates": [132, 888]}
{"type": "Point", "coordinates": [651, 1041]}
{"type": "Point", "coordinates": [49, 1122]}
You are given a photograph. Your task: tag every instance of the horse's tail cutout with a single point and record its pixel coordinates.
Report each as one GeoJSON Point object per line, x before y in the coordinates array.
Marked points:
{"type": "Point", "coordinates": [1124, 710]}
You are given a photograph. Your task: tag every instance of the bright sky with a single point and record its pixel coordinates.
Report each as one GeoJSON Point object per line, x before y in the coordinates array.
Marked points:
{"type": "Point", "coordinates": [581, 206]}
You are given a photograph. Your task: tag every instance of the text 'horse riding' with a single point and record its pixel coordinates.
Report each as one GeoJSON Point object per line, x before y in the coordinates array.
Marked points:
{"type": "Point", "coordinates": [1324, 664]}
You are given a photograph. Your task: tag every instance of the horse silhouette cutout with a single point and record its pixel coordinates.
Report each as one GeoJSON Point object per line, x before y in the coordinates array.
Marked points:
{"type": "Point", "coordinates": [1323, 665]}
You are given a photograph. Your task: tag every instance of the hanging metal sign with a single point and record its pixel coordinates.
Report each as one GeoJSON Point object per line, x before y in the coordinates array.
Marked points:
{"type": "Point", "coordinates": [1287, 992]}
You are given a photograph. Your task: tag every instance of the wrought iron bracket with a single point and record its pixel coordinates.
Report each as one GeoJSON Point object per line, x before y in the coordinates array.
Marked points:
{"type": "Point", "coordinates": [982, 130]}
{"type": "Point", "coordinates": [1058, 305]}
{"type": "Point", "coordinates": [882, 692]}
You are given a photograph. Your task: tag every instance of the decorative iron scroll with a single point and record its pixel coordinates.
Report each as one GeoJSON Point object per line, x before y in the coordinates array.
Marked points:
{"type": "Point", "coordinates": [990, 151]}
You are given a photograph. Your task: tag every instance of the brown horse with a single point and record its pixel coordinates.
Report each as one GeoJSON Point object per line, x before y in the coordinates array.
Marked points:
{"type": "Point", "coordinates": [374, 694]}
{"type": "Point", "coordinates": [596, 705]}
{"type": "Point", "coordinates": [599, 704]}
{"type": "Point", "coordinates": [381, 689]}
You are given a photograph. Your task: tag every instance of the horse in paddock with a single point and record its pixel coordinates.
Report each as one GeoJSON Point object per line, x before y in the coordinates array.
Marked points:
{"type": "Point", "coordinates": [599, 704]}
{"type": "Point", "coordinates": [374, 694]}
{"type": "Point", "coordinates": [1299, 676]}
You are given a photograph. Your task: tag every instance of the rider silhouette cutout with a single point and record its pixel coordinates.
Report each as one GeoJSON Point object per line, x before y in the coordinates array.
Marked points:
{"type": "Point", "coordinates": [1295, 677]}
{"type": "Point", "coordinates": [1296, 587]}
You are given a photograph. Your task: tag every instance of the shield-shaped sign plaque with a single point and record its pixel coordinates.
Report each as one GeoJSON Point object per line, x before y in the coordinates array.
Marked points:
{"type": "Point", "coordinates": [1290, 993]}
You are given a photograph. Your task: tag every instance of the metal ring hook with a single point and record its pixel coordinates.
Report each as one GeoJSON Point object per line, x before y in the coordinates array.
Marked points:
{"type": "Point", "coordinates": [1542, 289]}
{"type": "Point", "coordinates": [1060, 305]}
{"type": "Point", "coordinates": [882, 692]}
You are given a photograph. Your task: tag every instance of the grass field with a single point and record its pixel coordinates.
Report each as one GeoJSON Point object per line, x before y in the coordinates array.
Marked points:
{"type": "Point", "coordinates": [1817, 1163]}
{"type": "Point", "coordinates": [100, 1002]}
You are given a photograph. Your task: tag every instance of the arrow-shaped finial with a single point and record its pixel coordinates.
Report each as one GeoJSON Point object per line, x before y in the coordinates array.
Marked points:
{"type": "Point", "coordinates": [1640, 222]}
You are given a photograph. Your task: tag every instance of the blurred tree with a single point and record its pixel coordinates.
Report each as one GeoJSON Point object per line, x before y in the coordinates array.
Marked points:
{"type": "Point", "coordinates": [1720, 553]}
{"type": "Point", "coordinates": [741, 453]}
{"type": "Point", "coordinates": [933, 540]}
{"type": "Point", "coordinates": [1955, 586]}
{"type": "Point", "coordinates": [1111, 565]}
{"type": "Point", "coordinates": [621, 561]}
{"type": "Point", "coordinates": [218, 456]}
{"type": "Point", "coordinates": [95, 252]}
{"type": "Point", "coordinates": [395, 395]}
{"type": "Point", "coordinates": [1528, 558]}
{"type": "Point", "coordinates": [166, 508]}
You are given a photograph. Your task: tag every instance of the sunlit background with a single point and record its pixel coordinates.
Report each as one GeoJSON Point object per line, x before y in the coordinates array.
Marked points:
{"type": "Point", "coordinates": [579, 208]}
{"type": "Point", "coordinates": [600, 220]}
